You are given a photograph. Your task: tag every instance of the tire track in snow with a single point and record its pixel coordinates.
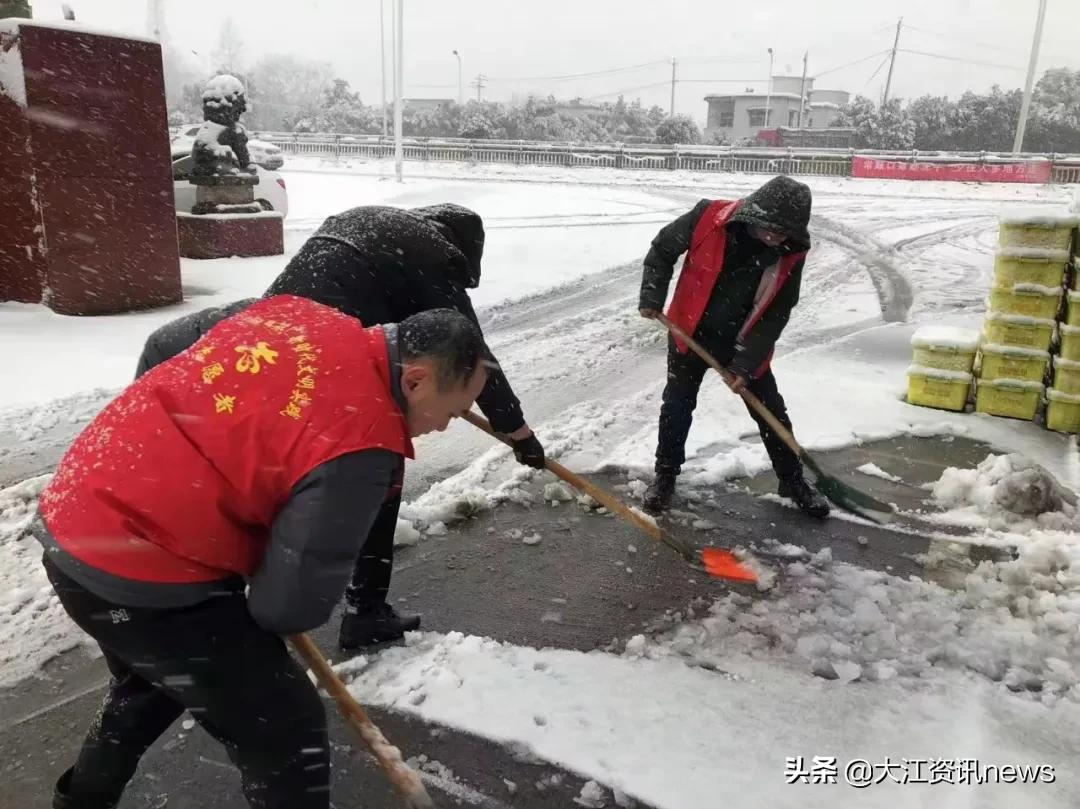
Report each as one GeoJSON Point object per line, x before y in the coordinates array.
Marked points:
{"type": "Point", "coordinates": [893, 288]}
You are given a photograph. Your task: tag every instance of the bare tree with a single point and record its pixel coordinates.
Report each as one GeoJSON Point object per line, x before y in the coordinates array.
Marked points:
{"type": "Point", "coordinates": [229, 53]}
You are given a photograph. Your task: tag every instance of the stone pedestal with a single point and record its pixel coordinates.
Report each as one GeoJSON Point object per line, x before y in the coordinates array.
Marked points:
{"type": "Point", "coordinates": [225, 235]}
{"type": "Point", "coordinates": [226, 220]}
{"type": "Point", "coordinates": [87, 222]}
{"type": "Point", "coordinates": [232, 193]}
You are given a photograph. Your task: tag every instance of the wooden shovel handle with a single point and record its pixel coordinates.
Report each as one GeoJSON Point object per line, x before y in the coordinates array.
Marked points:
{"type": "Point", "coordinates": [774, 423]}
{"type": "Point", "coordinates": [404, 780]}
{"type": "Point", "coordinates": [608, 501]}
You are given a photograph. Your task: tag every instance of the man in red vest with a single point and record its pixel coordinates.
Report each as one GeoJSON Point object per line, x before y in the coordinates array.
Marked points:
{"type": "Point", "coordinates": [381, 264]}
{"type": "Point", "coordinates": [738, 285]}
{"type": "Point", "coordinates": [256, 460]}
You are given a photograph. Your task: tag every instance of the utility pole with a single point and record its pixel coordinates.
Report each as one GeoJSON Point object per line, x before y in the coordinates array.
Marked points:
{"type": "Point", "coordinates": [478, 83]}
{"type": "Point", "coordinates": [460, 85]}
{"type": "Point", "coordinates": [382, 64]}
{"type": "Point", "coordinates": [768, 90]}
{"type": "Point", "coordinates": [674, 64]}
{"type": "Point", "coordinates": [802, 88]}
{"type": "Point", "coordinates": [399, 86]}
{"type": "Point", "coordinates": [892, 62]}
{"type": "Point", "coordinates": [1025, 107]}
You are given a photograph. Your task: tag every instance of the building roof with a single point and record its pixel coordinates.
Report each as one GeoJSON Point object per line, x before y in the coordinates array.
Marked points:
{"type": "Point", "coordinates": [792, 96]}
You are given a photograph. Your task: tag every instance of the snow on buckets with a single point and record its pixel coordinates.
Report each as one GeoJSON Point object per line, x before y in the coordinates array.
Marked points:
{"type": "Point", "coordinates": [1025, 308]}
{"type": "Point", "coordinates": [1040, 229]}
{"type": "Point", "coordinates": [941, 367]}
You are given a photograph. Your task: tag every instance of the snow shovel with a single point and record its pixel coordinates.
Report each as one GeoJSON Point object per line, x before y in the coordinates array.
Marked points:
{"type": "Point", "coordinates": [407, 783]}
{"type": "Point", "coordinates": [718, 562]}
{"type": "Point", "coordinates": [846, 497]}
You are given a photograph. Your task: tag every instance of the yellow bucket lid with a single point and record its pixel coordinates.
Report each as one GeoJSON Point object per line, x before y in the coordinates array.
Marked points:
{"type": "Point", "coordinates": [1040, 254]}
{"type": "Point", "coordinates": [1058, 396]}
{"type": "Point", "coordinates": [1015, 351]}
{"type": "Point", "coordinates": [938, 373]}
{"type": "Point", "coordinates": [1015, 384]}
{"type": "Point", "coordinates": [1020, 320]}
{"type": "Point", "coordinates": [946, 337]}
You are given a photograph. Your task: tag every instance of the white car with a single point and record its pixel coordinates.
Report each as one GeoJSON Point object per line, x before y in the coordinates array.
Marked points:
{"type": "Point", "coordinates": [264, 155]}
{"type": "Point", "coordinates": [270, 191]}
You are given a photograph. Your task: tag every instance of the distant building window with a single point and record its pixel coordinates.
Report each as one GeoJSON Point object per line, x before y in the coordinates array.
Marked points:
{"type": "Point", "coordinates": [757, 117]}
{"type": "Point", "coordinates": [725, 118]}
{"type": "Point", "coordinates": [793, 117]}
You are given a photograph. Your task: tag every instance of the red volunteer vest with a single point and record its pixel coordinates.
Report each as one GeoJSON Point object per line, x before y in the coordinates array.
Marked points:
{"type": "Point", "coordinates": [702, 267]}
{"type": "Point", "coordinates": [179, 479]}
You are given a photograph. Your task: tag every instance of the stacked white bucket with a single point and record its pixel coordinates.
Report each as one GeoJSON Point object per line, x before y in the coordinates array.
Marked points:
{"type": "Point", "coordinates": [1024, 307]}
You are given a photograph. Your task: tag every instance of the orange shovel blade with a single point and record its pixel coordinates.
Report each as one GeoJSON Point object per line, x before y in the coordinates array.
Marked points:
{"type": "Point", "coordinates": [723, 564]}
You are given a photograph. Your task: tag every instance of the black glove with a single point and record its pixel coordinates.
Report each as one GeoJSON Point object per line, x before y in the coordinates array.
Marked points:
{"type": "Point", "coordinates": [529, 451]}
{"type": "Point", "coordinates": [740, 379]}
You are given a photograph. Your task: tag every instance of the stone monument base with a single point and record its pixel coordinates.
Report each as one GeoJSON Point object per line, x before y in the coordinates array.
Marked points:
{"type": "Point", "coordinates": [230, 193]}
{"type": "Point", "coordinates": [224, 235]}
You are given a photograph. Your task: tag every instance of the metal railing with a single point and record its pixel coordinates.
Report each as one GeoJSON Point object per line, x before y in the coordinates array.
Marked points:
{"type": "Point", "coordinates": [1066, 172]}
{"type": "Point", "coordinates": [720, 159]}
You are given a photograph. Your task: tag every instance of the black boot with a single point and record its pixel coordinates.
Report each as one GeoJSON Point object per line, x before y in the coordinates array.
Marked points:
{"type": "Point", "coordinates": [62, 798]}
{"type": "Point", "coordinates": [658, 495]}
{"type": "Point", "coordinates": [805, 496]}
{"type": "Point", "coordinates": [367, 625]}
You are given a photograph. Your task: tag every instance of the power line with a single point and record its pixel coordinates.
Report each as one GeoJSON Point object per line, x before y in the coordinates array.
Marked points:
{"type": "Point", "coordinates": [952, 38]}
{"type": "Point", "coordinates": [884, 62]}
{"type": "Point", "coordinates": [719, 61]}
{"type": "Point", "coordinates": [852, 64]}
{"type": "Point", "coordinates": [569, 76]}
{"type": "Point", "coordinates": [720, 81]}
{"type": "Point", "coordinates": [630, 89]}
{"type": "Point", "coordinates": [848, 35]}
{"type": "Point", "coordinates": [960, 59]}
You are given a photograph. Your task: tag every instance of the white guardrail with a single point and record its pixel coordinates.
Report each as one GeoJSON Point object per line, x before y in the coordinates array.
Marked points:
{"type": "Point", "coordinates": [818, 162]}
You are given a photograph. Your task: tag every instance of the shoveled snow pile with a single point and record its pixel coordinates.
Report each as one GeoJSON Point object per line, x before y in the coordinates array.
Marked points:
{"type": "Point", "coordinates": [557, 493]}
{"type": "Point", "coordinates": [405, 534]}
{"type": "Point", "coordinates": [470, 492]}
{"type": "Point", "coordinates": [33, 625]}
{"type": "Point", "coordinates": [1009, 493]}
{"type": "Point", "coordinates": [1015, 622]}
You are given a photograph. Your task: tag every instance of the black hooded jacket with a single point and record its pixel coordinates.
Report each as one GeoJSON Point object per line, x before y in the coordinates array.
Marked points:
{"type": "Point", "coordinates": [781, 205]}
{"type": "Point", "coordinates": [379, 265]}
{"type": "Point", "coordinates": [382, 264]}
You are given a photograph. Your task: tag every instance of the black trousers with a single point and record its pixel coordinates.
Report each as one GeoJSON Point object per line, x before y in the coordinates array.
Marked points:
{"type": "Point", "coordinates": [370, 580]}
{"type": "Point", "coordinates": [237, 680]}
{"type": "Point", "coordinates": [684, 375]}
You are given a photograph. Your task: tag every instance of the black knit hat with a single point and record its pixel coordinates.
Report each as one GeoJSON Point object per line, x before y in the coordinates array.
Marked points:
{"type": "Point", "coordinates": [781, 205]}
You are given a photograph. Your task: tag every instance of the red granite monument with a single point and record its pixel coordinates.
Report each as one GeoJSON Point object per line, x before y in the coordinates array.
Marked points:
{"type": "Point", "coordinates": [87, 221]}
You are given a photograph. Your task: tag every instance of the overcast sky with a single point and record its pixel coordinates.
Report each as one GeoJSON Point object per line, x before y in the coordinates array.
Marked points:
{"type": "Point", "coordinates": [721, 46]}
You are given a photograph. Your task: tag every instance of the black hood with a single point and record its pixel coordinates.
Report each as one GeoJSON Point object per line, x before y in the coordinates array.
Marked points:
{"type": "Point", "coordinates": [462, 228]}
{"type": "Point", "coordinates": [781, 205]}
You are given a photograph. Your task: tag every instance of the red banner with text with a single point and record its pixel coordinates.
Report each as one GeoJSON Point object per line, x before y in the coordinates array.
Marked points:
{"type": "Point", "coordinates": [1029, 171]}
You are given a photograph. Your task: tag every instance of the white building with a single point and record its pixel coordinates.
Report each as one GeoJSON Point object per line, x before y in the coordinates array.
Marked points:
{"type": "Point", "coordinates": [739, 116]}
